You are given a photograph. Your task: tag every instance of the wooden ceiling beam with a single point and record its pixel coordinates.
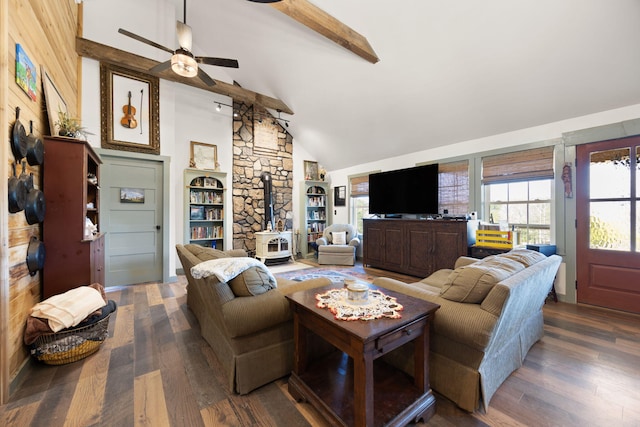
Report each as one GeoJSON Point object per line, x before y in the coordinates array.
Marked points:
{"type": "Point", "coordinates": [101, 52]}
{"type": "Point", "coordinates": [321, 22]}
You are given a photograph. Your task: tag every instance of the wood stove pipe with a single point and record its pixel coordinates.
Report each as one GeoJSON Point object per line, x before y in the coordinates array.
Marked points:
{"type": "Point", "coordinates": [268, 201]}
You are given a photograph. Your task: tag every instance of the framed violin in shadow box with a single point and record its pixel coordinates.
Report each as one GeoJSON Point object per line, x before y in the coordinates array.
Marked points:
{"type": "Point", "coordinates": [129, 103]}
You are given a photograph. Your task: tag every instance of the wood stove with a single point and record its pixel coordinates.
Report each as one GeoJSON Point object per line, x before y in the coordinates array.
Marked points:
{"type": "Point", "coordinates": [274, 245]}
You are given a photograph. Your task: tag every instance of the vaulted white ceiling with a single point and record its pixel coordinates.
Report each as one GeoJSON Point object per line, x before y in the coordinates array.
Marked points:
{"type": "Point", "coordinates": [449, 71]}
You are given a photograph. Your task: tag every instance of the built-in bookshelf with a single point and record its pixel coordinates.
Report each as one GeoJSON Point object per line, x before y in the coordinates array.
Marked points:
{"type": "Point", "coordinates": [204, 208]}
{"type": "Point", "coordinates": [316, 215]}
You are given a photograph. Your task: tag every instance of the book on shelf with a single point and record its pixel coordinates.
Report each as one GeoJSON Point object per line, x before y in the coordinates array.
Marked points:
{"type": "Point", "coordinates": [206, 232]}
{"type": "Point", "coordinates": [213, 214]}
{"type": "Point", "coordinates": [205, 197]}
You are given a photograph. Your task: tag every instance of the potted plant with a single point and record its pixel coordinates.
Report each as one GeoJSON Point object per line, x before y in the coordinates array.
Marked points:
{"type": "Point", "coordinates": [70, 126]}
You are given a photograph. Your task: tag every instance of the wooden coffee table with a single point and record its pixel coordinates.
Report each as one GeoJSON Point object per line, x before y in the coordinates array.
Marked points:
{"type": "Point", "coordinates": [346, 386]}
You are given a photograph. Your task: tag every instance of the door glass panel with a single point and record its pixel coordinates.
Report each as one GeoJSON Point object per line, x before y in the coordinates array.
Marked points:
{"type": "Point", "coordinates": [609, 225]}
{"type": "Point", "coordinates": [609, 174]}
{"type": "Point", "coordinates": [637, 228]}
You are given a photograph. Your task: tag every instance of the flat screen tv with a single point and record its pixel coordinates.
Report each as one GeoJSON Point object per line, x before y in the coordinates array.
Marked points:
{"type": "Point", "coordinates": [404, 191]}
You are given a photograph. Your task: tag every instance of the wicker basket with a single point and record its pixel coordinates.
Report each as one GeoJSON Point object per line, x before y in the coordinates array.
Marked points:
{"type": "Point", "coordinates": [71, 345]}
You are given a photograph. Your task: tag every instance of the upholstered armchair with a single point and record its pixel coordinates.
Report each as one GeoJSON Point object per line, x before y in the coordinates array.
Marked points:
{"type": "Point", "coordinates": [338, 245]}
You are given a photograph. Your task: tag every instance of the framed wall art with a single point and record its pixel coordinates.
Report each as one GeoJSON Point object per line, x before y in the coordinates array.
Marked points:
{"type": "Point", "coordinates": [129, 102]}
{"type": "Point", "coordinates": [54, 101]}
{"type": "Point", "coordinates": [340, 195]}
{"type": "Point", "coordinates": [131, 195]}
{"type": "Point", "coordinates": [203, 156]}
{"type": "Point", "coordinates": [310, 170]}
{"type": "Point", "coordinates": [26, 75]}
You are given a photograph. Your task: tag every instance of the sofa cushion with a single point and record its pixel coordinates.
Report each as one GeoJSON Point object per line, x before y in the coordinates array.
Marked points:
{"type": "Point", "coordinates": [339, 237]}
{"type": "Point", "coordinates": [251, 282]}
{"type": "Point", "coordinates": [526, 257]}
{"type": "Point", "coordinates": [472, 283]}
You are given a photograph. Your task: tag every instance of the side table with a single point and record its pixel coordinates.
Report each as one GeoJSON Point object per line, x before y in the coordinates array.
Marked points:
{"type": "Point", "coordinates": [346, 386]}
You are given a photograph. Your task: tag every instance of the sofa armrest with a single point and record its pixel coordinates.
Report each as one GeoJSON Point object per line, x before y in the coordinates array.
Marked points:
{"type": "Point", "coordinates": [321, 241]}
{"type": "Point", "coordinates": [247, 315]}
{"type": "Point", "coordinates": [354, 242]}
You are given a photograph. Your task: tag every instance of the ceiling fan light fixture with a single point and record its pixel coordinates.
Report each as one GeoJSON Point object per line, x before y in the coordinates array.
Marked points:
{"type": "Point", "coordinates": [184, 65]}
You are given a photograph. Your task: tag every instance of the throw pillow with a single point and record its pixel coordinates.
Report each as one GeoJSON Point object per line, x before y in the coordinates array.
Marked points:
{"type": "Point", "coordinates": [472, 283]}
{"type": "Point", "coordinates": [526, 257]}
{"type": "Point", "coordinates": [339, 237]}
{"type": "Point", "coordinates": [251, 282]}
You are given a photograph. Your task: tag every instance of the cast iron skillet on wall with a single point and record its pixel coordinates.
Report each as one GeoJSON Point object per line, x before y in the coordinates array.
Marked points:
{"type": "Point", "coordinates": [17, 192]}
{"type": "Point", "coordinates": [34, 207]}
{"type": "Point", "coordinates": [18, 138]}
{"type": "Point", "coordinates": [35, 148]}
{"type": "Point", "coordinates": [35, 255]}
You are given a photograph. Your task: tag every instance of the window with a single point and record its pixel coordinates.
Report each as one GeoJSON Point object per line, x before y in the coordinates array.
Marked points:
{"type": "Point", "coordinates": [524, 206]}
{"type": "Point", "coordinates": [453, 187]}
{"type": "Point", "coordinates": [359, 200]}
{"type": "Point", "coordinates": [518, 191]}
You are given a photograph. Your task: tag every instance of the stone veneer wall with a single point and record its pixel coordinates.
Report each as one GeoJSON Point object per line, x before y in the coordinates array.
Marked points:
{"type": "Point", "coordinates": [260, 144]}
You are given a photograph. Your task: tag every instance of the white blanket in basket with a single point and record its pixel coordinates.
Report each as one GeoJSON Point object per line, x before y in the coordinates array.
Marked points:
{"type": "Point", "coordinates": [226, 269]}
{"type": "Point", "coordinates": [70, 308]}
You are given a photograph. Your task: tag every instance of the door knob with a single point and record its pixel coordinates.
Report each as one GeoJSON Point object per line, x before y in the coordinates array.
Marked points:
{"type": "Point", "coordinates": [157, 227]}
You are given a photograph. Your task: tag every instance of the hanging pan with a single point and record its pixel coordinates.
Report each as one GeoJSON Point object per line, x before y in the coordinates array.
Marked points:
{"type": "Point", "coordinates": [35, 255]}
{"type": "Point", "coordinates": [34, 207]}
{"type": "Point", "coordinates": [17, 192]}
{"type": "Point", "coordinates": [35, 148]}
{"type": "Point", "coordinates": [26, 179]}
{"type": "Point", "coordinates": [18, 138]}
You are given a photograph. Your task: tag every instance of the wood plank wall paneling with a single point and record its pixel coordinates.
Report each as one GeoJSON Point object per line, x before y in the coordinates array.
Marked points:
{"type": "Point", "coordinates": [47, 31]}
{"type": "Point", "coordinates": [4, 226]}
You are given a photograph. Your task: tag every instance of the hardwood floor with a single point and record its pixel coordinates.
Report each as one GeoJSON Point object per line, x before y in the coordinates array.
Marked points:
{"type": "Point", "coordinates": [156, 370]}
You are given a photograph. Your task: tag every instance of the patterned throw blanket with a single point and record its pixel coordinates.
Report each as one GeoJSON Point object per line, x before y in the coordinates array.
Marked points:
{"type": "Point", "coordinates": [226, 269]}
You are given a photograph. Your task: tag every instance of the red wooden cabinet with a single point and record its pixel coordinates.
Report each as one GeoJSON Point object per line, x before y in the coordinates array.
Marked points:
{"type": "Point", "coordinates": [71, 174]}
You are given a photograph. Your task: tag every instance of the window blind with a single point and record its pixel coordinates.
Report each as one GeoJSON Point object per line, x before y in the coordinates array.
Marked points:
{"type": "Point", "coordinates": [453, 187]}
{"type": "Point", "coordinates": [518, 166]}
{"type": "Point", "coordinates": [359, 186]}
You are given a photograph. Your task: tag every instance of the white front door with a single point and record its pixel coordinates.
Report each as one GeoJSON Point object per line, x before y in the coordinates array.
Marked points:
{"type": "Point", "coordinates": [131, 204]}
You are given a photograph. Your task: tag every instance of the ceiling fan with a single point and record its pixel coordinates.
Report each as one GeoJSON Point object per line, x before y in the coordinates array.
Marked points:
{"type": "Point", "coordinates": [183, 62]}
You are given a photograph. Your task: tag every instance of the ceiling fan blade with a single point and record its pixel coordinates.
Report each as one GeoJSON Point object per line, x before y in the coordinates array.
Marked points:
{"type": "Point", "coordinates": [220, 62]}
{"type": "Point", "coordinates": [161, 67]}
{"type": "Point", "coordinates": [143, 40]}
{"type": "Point", "coordinates": [205, 77]}
{"type": "Point", "coordinates": [184, 35]}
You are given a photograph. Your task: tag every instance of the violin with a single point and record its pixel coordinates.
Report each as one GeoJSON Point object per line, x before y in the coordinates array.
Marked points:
{"type": "Point", "coordinates": [129, 121]}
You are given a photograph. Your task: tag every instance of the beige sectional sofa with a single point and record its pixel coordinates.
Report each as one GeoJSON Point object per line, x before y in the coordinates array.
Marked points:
{"type": "Point", "coordinates": [490, 315]}
{"type": "Point", "coordinates": [248, 325]}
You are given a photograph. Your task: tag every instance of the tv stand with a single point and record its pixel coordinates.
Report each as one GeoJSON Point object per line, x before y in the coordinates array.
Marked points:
{"type": "Point", "coordinates": [415, 247]}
